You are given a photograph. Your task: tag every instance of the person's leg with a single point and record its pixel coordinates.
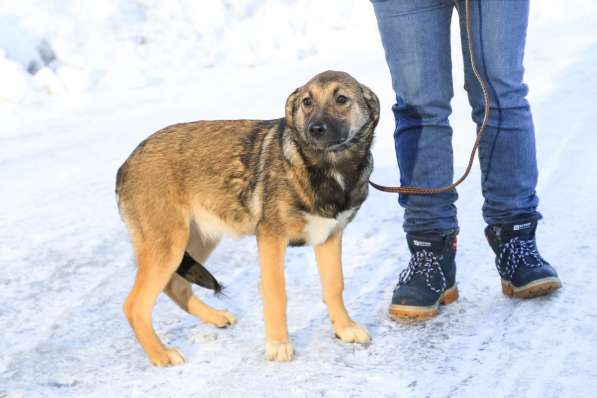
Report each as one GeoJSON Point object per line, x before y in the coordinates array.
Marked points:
{"type": "Point", "coordinates": [507, 151]}
{"type": "Point", "coordinates": [416, 40]}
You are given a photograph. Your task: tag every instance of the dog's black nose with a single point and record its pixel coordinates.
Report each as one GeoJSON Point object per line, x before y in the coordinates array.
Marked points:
{"type": "Point", "coordinates": [317, 129]}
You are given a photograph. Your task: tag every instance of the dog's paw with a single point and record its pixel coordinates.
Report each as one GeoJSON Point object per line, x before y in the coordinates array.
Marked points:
{"type": "Point", "coordinates": [167, 357]}
{"type": "Point", "coordinates": [280, 352]}
{"type": "Point", "coordinates": [221, 319]}
{"type": "Point", "coordinates": [353, 333]}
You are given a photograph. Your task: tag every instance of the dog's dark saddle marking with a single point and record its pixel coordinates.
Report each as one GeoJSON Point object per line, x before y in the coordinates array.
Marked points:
{"type": "Point", "coordinates": [196, 273]}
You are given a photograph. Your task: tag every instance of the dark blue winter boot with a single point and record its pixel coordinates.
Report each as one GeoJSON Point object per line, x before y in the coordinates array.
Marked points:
{"type": "Point", "coordinates": [524, 272]}
{"type": "Point", "coordinates": [429, 279]}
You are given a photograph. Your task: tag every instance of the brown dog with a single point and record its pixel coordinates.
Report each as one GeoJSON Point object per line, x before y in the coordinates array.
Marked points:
{"type": "Point", "coordinates": [289, 181]}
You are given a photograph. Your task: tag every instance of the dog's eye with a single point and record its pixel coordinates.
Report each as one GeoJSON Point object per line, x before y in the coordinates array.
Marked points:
{"type": "Point", "coordinates": [341, 99]}
{"type": "Point", "coordinates": [307, 101]}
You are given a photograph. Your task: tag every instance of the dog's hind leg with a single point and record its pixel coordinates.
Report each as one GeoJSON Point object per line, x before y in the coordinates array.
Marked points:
{"type": "Point", "coordinates": [158, 252]}
{"type": "Point", "coordinates": [180, 291]}
{"type": "Point", "coordinates": [329, 263]}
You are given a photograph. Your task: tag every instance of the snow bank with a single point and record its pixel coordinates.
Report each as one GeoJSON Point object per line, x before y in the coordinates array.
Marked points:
{"type": "Point", "coordinates": [69, 45]}
{"type": "Point", "coordinates": [19, 53]}
{"type": "Point", "coordinates": [28, 63]}
{"type": "Point", "coordinates": [13, 83]}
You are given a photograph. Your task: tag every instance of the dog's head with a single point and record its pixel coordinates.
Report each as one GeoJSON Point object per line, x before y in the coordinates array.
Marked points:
{"type": "Point", "coordinates": [331, 109]}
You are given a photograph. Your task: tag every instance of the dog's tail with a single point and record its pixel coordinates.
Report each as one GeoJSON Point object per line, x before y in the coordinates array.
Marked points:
{"type": "Point", "coordinates": [196, 273]}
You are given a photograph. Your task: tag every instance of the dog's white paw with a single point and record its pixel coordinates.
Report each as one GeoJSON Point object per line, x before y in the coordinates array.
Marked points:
{"type": "Point", "coordinates": [353, 333]}
{"type": "Point", "coordinates": [167, 357]}
{"type": "Point", "coordinates": [280, 352]}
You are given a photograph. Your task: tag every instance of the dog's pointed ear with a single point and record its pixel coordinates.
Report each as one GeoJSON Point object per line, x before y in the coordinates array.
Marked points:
{"type": "Point", "coordinates": [372, 103]}
{"type": "Point", "coordinates": [291, 108]}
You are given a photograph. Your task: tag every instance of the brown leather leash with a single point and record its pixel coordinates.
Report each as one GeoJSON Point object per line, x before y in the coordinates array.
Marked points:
{"type": "Point", "coordinates": [429, 191]}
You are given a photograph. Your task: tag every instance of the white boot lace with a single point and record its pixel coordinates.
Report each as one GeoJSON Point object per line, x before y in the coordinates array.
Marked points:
{"type": "Point", "coordinates": [424, 262]}
{"type": "Point", "coordinates": [514, 253]}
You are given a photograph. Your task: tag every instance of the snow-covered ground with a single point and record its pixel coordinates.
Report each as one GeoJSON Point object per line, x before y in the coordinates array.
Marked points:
{"type": "Point", "coordinates": [107, 76]}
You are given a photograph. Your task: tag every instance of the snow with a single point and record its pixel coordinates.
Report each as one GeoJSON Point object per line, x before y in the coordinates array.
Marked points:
{"type": "Point", "coordinates": [123, 69]}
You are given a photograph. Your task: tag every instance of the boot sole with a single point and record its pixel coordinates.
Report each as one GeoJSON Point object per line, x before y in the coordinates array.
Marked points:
{"type": "Point", "coordinates": [536, 288]}
{"type": "Point", "coordinates": [398, 311]}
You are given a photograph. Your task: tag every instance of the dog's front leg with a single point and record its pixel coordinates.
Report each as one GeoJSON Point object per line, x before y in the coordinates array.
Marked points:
{"type": "Point", "coordinates": [272, 250]}
{"type": "Point", "coordinates": [329, 263]}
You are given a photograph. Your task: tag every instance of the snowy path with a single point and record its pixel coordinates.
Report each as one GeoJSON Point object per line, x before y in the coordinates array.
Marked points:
{"type": "Point", "coordinates": [66, 266]}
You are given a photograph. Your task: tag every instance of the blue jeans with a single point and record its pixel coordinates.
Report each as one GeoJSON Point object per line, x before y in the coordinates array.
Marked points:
{"type": "Point", "coordinates": [416, 40]}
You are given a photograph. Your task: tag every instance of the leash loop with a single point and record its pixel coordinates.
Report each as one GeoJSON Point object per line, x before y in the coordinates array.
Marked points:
{"type": "Point", "coordinates": [430, 191]}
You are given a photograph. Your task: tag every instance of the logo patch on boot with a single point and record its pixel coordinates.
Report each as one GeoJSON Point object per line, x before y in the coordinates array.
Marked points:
{"type": "Point", "coordinates": [521, 226]}
{"type": "Point", "coordinates": [421, 243]}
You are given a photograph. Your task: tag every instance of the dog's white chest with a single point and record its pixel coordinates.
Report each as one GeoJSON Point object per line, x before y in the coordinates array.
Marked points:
{"type": "Point", "coordinates": [318, 229]}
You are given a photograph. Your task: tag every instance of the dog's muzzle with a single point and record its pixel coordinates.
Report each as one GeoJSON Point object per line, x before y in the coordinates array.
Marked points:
{"type": "Point", "coordinates": [326, 135]}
